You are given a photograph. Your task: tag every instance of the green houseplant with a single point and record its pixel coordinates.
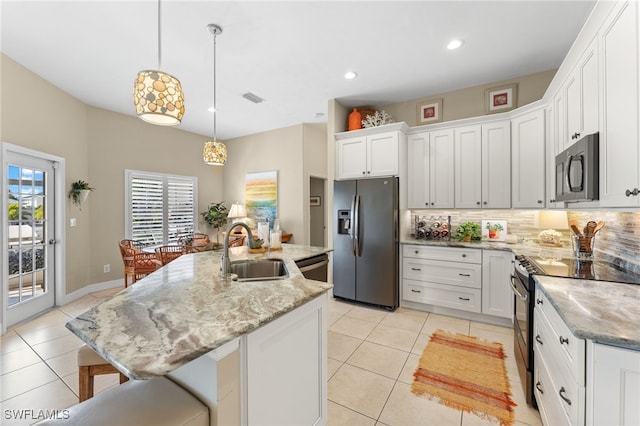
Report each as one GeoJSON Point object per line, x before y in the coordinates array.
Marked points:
{"type": "Point", "coordinates": [216, 217]}
{"type": "Point", "coordinates": [467, 231]}
{"type": "Point", "coordinates": [79, 192]}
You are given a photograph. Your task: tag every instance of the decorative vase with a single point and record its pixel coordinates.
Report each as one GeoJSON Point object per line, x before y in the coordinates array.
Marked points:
{"type": "Point", "coordinates": [355, 120]}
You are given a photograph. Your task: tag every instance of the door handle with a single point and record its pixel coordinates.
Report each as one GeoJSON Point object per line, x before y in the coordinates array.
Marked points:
{"type": "Point", "coordinates": [465, 275]}
{"type": "Point", "coordinates": [539, 340]}
{"type": "Point", "coordinates": [416, 269]}
{"type": "Point", "coordinates": [53, 241]}
{"type": "Point", "coordinates": [561, 393]}
{"type": "Point", "coordinates": [353, 225]}
{"type": "Point", "coordinates": [357, 225]}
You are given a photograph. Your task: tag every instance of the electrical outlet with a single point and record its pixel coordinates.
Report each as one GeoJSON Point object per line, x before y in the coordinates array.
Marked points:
{"type": "Point", "coordinates": [107, 268]}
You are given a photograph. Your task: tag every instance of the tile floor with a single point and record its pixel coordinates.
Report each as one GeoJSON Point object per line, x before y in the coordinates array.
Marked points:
{"type": "Point", "coordinates": [372, 356]}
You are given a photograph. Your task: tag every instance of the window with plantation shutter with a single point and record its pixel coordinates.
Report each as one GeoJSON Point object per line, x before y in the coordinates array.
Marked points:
{"type": "Point", "coordinates": [160, 208]}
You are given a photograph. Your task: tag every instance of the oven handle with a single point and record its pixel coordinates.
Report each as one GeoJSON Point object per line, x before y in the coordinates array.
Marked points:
{"type": "Point", "coordinates": [516, 292]}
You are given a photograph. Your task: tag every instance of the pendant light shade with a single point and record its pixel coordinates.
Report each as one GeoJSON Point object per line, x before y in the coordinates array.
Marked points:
{"type": "Point", "coordinates": [215, 152]}
{"type": "Point", "coordinates": [157, 96]}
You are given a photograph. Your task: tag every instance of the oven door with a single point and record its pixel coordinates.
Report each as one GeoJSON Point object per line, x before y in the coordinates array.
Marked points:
{"type": "Point", "coordinates": [521, 333]}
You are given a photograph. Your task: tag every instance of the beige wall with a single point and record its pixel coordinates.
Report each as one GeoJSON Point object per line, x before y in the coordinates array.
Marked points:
{"type": "Point", "coordinates": [282, 150]}
{"type": "Point", "coordinates": [469, 102]}
{"type": "Point", "coordinates": [97, 146]}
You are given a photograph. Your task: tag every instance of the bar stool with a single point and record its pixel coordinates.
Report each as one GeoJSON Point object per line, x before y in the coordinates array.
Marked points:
{"type": "Point", "coordinates": [91, 364]}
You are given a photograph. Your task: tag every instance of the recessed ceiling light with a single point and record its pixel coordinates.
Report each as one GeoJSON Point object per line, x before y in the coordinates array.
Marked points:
{"type": "Point", "coordinates": [454, 44]}
{"type": "Point", "coordinates": [350, 75]}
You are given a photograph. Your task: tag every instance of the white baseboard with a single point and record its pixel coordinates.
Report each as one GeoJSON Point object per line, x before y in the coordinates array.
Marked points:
{"type": "Point", "coordinates": [92, 288]}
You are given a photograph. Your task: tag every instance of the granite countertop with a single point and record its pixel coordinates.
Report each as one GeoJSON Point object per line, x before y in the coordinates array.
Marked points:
{"type": "Point", "coordinates": [525, 249]}
{"type": "Point", "coordinates": [185, 310]}
{"type": "Point", "coordinates": [603, 311]}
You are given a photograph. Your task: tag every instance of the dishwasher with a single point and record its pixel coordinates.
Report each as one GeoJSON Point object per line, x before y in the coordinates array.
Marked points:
{"type": "Point", "coordinates": [314, 268]}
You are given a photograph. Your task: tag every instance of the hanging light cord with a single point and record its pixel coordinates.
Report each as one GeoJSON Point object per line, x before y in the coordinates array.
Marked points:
{"type": "Point", "coordinates": [215, 107]}
{"type": "Point", "coordinates": [159, 38]}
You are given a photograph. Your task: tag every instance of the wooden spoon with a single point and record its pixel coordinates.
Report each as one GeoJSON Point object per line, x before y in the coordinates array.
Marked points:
{"type": "Point", "coordinates": [576, 230]}
{"type": "Point", "coordinates": [599, 226]}
{"type": "Point", "coordinates": [589, 227]}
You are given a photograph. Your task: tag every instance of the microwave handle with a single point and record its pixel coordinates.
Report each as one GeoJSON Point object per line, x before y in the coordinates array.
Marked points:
{"type": "Point", "coordinates": [570, 159]}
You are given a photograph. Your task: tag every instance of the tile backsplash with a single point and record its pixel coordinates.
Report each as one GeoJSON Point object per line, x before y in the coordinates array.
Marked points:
{"type": "Point", "coordinates": [618, 241]}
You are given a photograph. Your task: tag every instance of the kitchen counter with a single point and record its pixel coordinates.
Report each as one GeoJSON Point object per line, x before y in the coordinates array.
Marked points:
{"type": "Point", "coordinates": [602, 311]}
{"type": "Point", "coordinates": [525, 249]}
{"type": "Point", "coordinates": [185, 310]}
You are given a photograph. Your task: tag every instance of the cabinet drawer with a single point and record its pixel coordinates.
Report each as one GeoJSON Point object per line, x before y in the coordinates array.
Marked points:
{"type": "Point", "coordinates": [443, 253]}
{"type": "Point", "coordinates": [549, 402]}
{"type": "Point", "coordinates": [466, 299]}
{"type": "Point", "coordinates": [435, 271]}
{"type": "Point", "coordinates": [565, 345]}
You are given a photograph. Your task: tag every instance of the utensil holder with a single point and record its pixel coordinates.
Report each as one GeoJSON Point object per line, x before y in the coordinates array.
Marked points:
{"type": "Point", "coordinates": [582, 246]}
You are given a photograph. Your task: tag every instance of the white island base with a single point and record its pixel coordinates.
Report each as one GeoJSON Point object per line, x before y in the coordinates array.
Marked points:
{"type": "Point", "coordinates": [275, 375]}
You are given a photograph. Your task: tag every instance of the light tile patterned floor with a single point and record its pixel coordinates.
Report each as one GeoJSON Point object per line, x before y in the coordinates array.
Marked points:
{"type": "Point", "coordinates": [373, 354]}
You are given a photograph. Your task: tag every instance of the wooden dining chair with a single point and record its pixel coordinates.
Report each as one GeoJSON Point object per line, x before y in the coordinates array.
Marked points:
{"type": "Point", "coordinates": [168, 253]}
{"type": "Point", "coordinates": [137, 263]}
{"type": "Point", "coordinates": [237, 241]}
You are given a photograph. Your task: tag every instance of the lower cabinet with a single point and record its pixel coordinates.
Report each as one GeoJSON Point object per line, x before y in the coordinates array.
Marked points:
{"type": "Point", "coordinates": [613, 392]}
{"type": "Point", "coordinates": [470, 280]}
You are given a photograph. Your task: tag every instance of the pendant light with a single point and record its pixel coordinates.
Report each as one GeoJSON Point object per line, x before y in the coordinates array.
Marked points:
{"type": "Point", "coordinates": [157, 96]}
{"type": "Point", "coordinates": [215, 152]}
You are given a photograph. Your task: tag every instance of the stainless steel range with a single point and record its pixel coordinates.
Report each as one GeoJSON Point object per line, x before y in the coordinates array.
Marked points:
{"type": "Point", "coordinates": [523, 287]}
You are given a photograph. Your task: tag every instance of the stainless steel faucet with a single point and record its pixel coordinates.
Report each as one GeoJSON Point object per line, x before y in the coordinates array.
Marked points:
{"type": "Point", "coordinates": [226, 263]}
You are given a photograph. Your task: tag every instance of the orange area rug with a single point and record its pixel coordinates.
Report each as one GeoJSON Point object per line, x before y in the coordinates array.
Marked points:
{"type": "Point", "coordinates": [467, 374]}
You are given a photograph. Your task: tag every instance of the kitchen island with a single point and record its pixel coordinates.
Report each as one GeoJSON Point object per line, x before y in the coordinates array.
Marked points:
{"type": "Point", "coordinates": [184, 320]}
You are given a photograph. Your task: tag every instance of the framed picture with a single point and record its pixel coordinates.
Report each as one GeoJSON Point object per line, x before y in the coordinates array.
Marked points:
{"type": "Point", "coordinates": [494, 230]}
{"type": "Point", "coordinates": [501, 99]}
{"type": "Point", "coordinates": [429, 111]}
{"type": "Point", "coordinates": [314, 200]}
{"type": "Point", "coordinates": [261, 195]}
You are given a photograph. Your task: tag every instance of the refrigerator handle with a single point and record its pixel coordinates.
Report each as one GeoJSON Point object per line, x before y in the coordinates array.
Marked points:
{"type": "Point", "coordinates": [353, 225]}
{"type": "Point", "coordinates": [357, 226]}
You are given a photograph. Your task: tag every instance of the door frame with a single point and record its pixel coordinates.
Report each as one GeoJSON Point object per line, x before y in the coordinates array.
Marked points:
{"type": "Point", "coordinates": [58, 224]}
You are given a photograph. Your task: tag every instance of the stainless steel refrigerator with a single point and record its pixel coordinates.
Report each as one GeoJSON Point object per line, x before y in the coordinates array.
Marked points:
{"type": "Point", "coordinates": [365, 241]}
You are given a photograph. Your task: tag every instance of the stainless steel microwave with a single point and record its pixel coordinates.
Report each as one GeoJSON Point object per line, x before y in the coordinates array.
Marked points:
{"type": "Point", "coordinates": [577, 171]}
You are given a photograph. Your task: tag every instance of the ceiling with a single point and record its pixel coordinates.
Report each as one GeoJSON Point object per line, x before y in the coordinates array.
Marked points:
{"type": "Point", "coordinates": [293, 54]}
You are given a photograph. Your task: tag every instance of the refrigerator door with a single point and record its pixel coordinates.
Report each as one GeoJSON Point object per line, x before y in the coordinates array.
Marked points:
{"type": "Point", "coordinates": [377, 237]}
{"type": "Point", "coordinates": [344, 262]}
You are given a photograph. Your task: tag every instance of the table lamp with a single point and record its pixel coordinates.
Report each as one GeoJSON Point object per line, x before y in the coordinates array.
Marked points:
{"type": "Point", "coordinates": [551, 221]}
{"type": "Point", "coordinates": [237, 213]}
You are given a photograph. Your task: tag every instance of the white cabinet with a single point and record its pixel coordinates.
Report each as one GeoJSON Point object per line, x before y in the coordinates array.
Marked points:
{"type": "Point", "coordinates": [482, 166]}
{"type": "Point", "coordinates": [559, 367]}
{"type": "Point", "coordinates": [614, 389]}
{"type": "Point", "coordinates": [497, 269]}
{"type": "Point", "coordinates": [451, 278]}
{"type": "Point", "coordinates": [527, 160]}
{"type": "Point", "coordinates": [286, 376]}
{"type": "Point", "coordinates": [430, 169]}
{"type": "Point", "coordinates": [619, 138]}
{"type": "Point", "coordinates": [369, 153]}
{"type": "Point", "coordinates": [581, 94]}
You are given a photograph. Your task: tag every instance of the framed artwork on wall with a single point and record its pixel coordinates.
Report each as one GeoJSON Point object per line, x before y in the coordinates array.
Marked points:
{"type": "Point", "coordinates": [261, 195]}
{"type": "Point", "coordinates": [501, 99]}
{"type": "Point", "coordinates": [429, 111]}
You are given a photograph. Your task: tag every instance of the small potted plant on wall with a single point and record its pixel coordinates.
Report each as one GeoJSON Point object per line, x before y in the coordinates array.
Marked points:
{"type": "Point", "coordinates": [216, 217]}
{"type": "Point", "coordinates": [79, 192]}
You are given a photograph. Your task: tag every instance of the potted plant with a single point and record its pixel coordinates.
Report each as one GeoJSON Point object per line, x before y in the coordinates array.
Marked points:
{"type": "Point", "coordinates": [79, 192]}
{"type": "Point", "coordinates": [494, 230]}
{"type": "Point", "coordinates": [216, 217]}
{"type": "Point", "coordinates": [467, 232]}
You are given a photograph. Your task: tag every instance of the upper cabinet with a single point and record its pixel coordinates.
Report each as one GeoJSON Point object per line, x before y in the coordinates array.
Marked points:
{"type": "Point", "coordinates": [430, 169]}
{"type": "Point", "coordinates": [370, 152]}
{"type": "Point", "coordinates": [483, 165]}
{"type": "Point", "coordinates": [619, 143]}
{"type": "Point", "coordinates": [527, 160]}
{"type": "Point", "coordinates": [581, 95]}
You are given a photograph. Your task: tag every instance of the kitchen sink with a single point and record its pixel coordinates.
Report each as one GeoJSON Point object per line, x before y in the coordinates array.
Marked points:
{"type": "Point", "coordinates": [259, 270]}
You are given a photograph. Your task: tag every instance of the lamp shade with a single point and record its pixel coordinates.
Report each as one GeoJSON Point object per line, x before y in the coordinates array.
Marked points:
{"type": "Point", "coordinates": [214, 153]}
{"type": "Point", "coordinates": [237, 211]}
{"type": "Point", "coordinates": [551, 219]}
{"type": "Point", "coordinates": [158, 98]}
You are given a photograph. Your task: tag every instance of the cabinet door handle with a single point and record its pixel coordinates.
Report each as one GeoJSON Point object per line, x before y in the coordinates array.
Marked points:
{"type": "Point", "coordinates": [464, 255]}
{"type": "Point", "coordinates": [629, 193]}
{"type": "Point", "coordinates": [539, 340]}
{"type": "Point", "coordinates": [539, 387]}
{"type": "Point", "coordinates": [561, 393]}
{"type": "Point", "coordinates": [363, 172]}
{"type": "Point", "coordinates": [465, 275]}
{"type": "Point", "coordinates": [478, 203]}
{"type": "Point", "coordinates": [426, 204]}
{"type": "Point", "coordinates": [539, 302]}
{"type": "Point", "coordinates": [539, 201]}
{"type": "Point", "coordinates": [416, 269]}
{"type": "Point", "coordinates": [416, 291]}
{"type": "Point", "coordinates": [466, 299]}
{"type": "Point", "coordinates": [485, 203]}
{"type": "Point", "coordinates": [368, 171]}
{"type": "Point", "coordinates": [564, 340]}
{"type": "Point", "coordinates": [416, 252]}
